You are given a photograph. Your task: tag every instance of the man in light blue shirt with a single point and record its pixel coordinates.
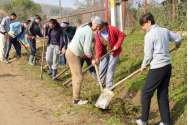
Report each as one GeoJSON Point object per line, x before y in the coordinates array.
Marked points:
{"type": "Point", "coordinates": [156, 50]}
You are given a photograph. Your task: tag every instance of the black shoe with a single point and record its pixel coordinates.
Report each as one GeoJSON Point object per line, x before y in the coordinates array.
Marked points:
{"type": "Point", "coordinates": [139, 121]}
{"type": "Point", "coordinates": [18, 57]}
{"type": "Point", "coordinates": [161, 123]}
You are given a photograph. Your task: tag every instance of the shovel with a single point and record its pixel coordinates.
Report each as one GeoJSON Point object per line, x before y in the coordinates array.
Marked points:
{"type": "Point", "coordinates": [98, 77]}
{"type": "Point", "coordinates": [43, 55]}
{"type": "Point", "coordinates": [107, 94]}
{"type": "Point", "coordinates": [25, 47]}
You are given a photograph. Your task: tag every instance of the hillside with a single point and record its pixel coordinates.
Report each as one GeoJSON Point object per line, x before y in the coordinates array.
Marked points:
{"type": "Point", "coordinates": [52, 10]}
{"type": "Point", "coordinates": [126, 102]}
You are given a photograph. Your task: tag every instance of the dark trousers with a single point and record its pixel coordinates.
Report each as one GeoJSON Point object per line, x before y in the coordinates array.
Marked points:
{"type": "Point", "coordinates": [16, 45]}
{"type": "Point", "coordinates": [157, 79]}
{"type": "Point", "coordinates": [88, 61]}
{"type": "Point", "coordinates": [32, 43]}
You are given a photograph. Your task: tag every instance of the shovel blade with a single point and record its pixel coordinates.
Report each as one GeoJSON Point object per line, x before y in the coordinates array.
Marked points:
{"type": "Point", "coordinates": [104, 99]}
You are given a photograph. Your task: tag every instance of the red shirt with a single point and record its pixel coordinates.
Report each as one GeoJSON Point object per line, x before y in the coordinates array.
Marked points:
{"type": "Point", "coordinates": [116, 38]}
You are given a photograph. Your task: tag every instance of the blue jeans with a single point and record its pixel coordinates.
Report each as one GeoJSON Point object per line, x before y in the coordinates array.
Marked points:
{"type": "Point", "coordinates": [16, 45]}
{"type": "Point", "coordinates": [63, 60]}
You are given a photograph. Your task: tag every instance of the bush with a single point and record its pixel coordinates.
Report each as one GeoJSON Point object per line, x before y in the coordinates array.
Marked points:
{"type": "Point", "coordinates": [163, 15]}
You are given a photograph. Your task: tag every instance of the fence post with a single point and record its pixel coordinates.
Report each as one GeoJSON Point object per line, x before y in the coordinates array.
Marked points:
{"type": "Point", "coordinates": [145, 4]}
{"type": "Point", "coordinates": [173, 9]}
{"type": "Point", "coordinates": [97, 8]}
{"type": "Point", "coordinates": [82, 19]}
{"type": "Point", "coordinates": [106, 11]}
{"type": "Point", "coordinates": [124, 11]}
{"type": "Point", "coordinates": [101, 8]}
{"type": "Point", "coordinates": [68, 19]}
{"type": "Point", "coordinates": [91, 12]}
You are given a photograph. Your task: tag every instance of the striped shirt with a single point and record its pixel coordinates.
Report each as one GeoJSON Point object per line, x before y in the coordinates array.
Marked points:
{"type": "Point", "coordinates": [5, 25]}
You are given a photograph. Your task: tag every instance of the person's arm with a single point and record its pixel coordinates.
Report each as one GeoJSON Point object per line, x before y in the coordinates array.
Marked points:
{"type": "Point", "coordinates": [120, 36]}
{"type": "Point", "coordinates": [40, 34]}
{"type": "Point", "coordinates": [66, 41]}
{"type": "Point", "coordinates": [29, 29]}
{"type": "Point", "coordinates": [3, 23]}
{"type": "Point", "coordinates": [61, 42]}
{"type": "Point", "coordinates": [93, 45]}
{"type": "Point", "coordinates": [98, 47]}
{"type": "Point", "coordinates": [11, 26]}
{"type": "Point", "coordinates": [148, 51]}
{"type": "Point", "coordinates": [87, 44]}
{"type": "Point", "coordinates": [176, 38]}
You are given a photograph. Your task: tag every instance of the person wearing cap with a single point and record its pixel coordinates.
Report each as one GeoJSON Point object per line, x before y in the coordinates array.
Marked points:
{"type": "Point", "coordinates": [55, 43]}
{"type": "Point", "coordinates": [107, 38]}
{"type": "Point", "coordinates": [79, 47]}
{"type": "Point", "coordinates": [32, 31]}
{"type": "Point", "coordinates": [68, 34]}
{"type": "Point", "coordinates": [88, 61]}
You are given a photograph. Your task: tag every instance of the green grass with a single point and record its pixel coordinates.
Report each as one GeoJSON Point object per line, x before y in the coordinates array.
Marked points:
{"type": "Point", "coordinates": [125, 104]}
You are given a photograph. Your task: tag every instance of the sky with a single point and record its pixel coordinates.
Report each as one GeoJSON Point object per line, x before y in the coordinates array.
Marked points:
{"type": "Point", "coordinates": [64, 3]}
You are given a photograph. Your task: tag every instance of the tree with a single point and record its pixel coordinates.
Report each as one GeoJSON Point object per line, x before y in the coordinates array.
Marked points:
{"type": "Point", "coordinates": [24, 9]}
{"type": "Point", "coordinates": [81, 5]}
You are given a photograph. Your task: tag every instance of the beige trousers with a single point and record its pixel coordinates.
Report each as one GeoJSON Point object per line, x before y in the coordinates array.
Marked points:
{"type": "Point", "coordinates": [2, 45]}
{"type": "Point", "coordinates": [76, 70]}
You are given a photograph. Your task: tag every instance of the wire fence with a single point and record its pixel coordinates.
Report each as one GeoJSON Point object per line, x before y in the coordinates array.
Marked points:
{"type": "Point", "coordinates": [169, 14]}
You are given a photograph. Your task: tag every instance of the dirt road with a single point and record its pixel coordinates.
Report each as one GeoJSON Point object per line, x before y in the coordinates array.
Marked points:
{"type": "Point", "coordinates": [16, 107]}
{"type": "Point", "coordinates": [25, 100]}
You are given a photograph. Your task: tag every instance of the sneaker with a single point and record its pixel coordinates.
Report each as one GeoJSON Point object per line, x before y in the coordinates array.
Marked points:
{"type": "Point", "coordinates": [18, 57]}
{"type": "Point", "coordinates": [161, 123]}
{"type": "Point", "coordinates": [139, 121]}
{"type": "Point", "coordinates": [80, 102]}
{"type": "Point", "coordinates": [2, 60]}
{"type": "Point", "coordinates": [6, 61]}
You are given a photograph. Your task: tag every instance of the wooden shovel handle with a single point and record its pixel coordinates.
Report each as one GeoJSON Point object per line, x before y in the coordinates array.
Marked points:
{"type": "Point", "coordinates": [61, 73]}
{"type": "Point", "coordinates": [24, 46]}
{"type": "Point", "coordinates": [43, 55]}
{"type": "Point", "coordinates": [131, 75]}
{"type": "Point", "coordinates": [97, 72]}
{"type": "Point", "coordinates": [126, 78]}
{"type": "Point", "coordinates": [171, 50]}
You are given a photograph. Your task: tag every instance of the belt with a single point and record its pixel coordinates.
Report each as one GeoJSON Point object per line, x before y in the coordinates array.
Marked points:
{"type": "Point", "coordinates": [29, 36]}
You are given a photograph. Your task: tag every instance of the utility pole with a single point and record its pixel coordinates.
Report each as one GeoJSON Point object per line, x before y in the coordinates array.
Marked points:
{"type": "Point", "coordinates": [60, 9]}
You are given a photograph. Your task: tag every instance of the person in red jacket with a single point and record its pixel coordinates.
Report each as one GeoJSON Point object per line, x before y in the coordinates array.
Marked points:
{"type": "Point", "coordinates": [108, 38]}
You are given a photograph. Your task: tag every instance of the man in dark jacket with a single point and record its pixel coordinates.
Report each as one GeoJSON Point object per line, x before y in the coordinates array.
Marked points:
{"type": "Point", "coordinates": [33, 30]}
